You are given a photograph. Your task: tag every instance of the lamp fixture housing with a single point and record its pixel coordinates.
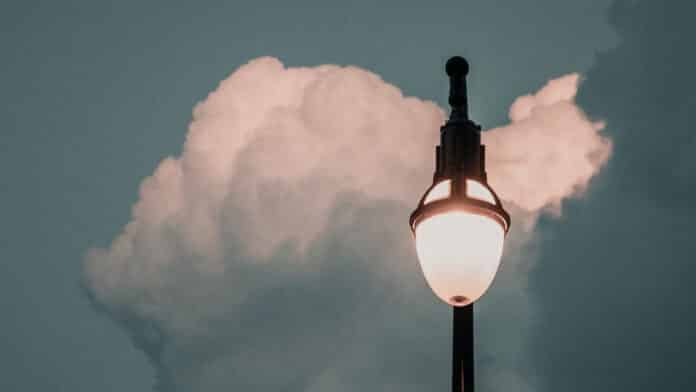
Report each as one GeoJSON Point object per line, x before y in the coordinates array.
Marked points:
{"type": "Point", "coordinates": [459, 224]}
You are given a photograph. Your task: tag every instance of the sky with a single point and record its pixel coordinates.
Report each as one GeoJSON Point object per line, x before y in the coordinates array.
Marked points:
{"type": "Point", "coordinates": [98, 94]}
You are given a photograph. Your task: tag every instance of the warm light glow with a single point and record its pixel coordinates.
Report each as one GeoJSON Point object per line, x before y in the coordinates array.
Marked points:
{"type": "Point", "coordinates": [459, 253]}
{"type": "Point", "coordinates": [440, 191]}
{"type": "Point", "coordinates": [476, 190]}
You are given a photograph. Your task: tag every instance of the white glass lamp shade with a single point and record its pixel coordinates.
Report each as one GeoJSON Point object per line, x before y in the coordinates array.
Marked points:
{"type": "Point", "coordinates": [442, 190]}
{"type": "Point", "coordinates": [459, 253]}
{"type": "Point", "coordinates": [476, 190]}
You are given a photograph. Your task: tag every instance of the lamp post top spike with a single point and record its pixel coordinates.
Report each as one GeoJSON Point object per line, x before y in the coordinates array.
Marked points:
{"type": "Point", "coordinates": [457, 68]}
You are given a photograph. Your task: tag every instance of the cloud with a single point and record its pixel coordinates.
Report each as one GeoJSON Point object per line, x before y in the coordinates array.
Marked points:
{"type": "Point", "coordinates": [275, 251]}
{"type": "Point", "coordinates": [549, 151]}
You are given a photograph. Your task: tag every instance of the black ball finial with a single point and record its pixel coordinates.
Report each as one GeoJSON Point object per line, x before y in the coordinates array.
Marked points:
{"type": "Point", "coordinates": [457, 67]}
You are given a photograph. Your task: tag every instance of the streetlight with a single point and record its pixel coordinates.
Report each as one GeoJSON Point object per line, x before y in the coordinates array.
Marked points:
{"type": "Point", "coordinates": [460, 225]}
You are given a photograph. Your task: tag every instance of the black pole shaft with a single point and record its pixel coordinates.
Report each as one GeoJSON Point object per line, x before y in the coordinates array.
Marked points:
{"type": "Point", "coordinates": [463, 349]}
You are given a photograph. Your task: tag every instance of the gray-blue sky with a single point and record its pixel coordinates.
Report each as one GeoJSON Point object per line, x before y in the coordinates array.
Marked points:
{"type": "Point", "coordinates": [97, 93]}
{"type": "Point", "coordinates": [617, 309]}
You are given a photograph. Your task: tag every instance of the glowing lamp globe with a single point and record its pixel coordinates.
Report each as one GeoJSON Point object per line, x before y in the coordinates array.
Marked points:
{"type": "Point", "coordinates": [459, 229]}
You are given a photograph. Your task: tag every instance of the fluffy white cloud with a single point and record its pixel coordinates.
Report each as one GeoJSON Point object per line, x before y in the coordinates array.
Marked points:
{"type": "Point", "coordinates": [549, 151]}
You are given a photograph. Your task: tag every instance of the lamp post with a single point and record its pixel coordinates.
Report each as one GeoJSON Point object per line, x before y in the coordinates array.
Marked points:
{"type": "Point", "coordinates": [460, 225]}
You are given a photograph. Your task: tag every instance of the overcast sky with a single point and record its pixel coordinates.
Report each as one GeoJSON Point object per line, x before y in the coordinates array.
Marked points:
{"type": "Point", "coordinates": [97, 94]}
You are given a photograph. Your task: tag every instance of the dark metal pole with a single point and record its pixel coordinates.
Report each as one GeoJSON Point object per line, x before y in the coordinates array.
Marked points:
{"type": "Point", "coordinates": [461, 154]}
{"type": "Point", "coordinates": [463, 349]}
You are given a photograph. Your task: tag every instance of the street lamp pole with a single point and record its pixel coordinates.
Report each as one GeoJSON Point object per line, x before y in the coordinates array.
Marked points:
{"type": "Point", "coordinates": [467, 159]}
{"type": "Point", "coordinates": [460, 225]}
{"type": "Point", "coordinates": [463, 348]}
